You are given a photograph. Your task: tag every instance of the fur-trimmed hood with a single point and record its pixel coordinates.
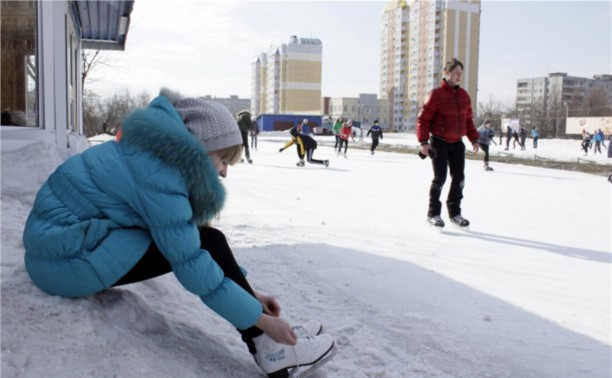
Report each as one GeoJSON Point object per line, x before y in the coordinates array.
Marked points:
{"type": "Point", "coordinates": [159, 129]}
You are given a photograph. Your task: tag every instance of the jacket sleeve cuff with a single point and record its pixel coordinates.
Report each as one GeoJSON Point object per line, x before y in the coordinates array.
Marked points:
{"type": "Point", "coordinates": [234, 304]}
{"type": "Point", "coordinates": [424, 142]}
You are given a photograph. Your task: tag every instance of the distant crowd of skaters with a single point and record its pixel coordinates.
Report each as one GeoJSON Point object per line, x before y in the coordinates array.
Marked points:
{"type": "Point", "coordinates": [305, 144]}
{"type": "Point", "coordinates": [595, 141]}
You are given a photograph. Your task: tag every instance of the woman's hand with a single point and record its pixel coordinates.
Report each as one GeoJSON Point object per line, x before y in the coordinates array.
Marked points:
{"type": "Point", "coordinates": [277, 329]}
{"type": "Point", "coordinates": [269, 304]}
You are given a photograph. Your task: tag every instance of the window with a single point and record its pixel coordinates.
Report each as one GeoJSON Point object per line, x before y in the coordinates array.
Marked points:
{"type": "Point", "coordinates": [19, 64]}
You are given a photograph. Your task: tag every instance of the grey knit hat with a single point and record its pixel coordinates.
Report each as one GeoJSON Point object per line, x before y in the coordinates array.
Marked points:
{"type": "Point", "coordinates": [211, 122]}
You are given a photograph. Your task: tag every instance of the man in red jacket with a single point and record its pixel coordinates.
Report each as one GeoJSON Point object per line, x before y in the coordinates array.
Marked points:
{"type": "Point", "coordinates": [445, 118]}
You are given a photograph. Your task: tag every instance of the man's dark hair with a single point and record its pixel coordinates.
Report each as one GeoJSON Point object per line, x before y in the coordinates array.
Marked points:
{"type": "Point", "coordinates": [452, 64]}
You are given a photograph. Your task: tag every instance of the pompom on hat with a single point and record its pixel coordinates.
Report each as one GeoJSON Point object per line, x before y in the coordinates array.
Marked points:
{"type": "Point", "coordinates": [211, 122]}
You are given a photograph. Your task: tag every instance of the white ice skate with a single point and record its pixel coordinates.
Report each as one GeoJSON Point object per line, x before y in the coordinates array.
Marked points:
{"type": "Point", "coordinates": [310, 328]}
{"type": "Point", "coordinates": [280, 360]}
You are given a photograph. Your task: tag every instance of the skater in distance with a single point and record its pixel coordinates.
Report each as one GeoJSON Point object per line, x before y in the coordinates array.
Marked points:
{"type": "Point", "coordinates": [345, 132]}
{"type": "Point", "coordinates": [486, 137]}
{"type": "Point", "coordinates": [446, 117]}
{"type": "Point", "coordinates": [246, 127]}
{"type": "Point", "coordinates": [305, 148]}
{"type": "Point", "coordinates": [376, 133]}
{"type": "Point", "coordinates": [127, 211]}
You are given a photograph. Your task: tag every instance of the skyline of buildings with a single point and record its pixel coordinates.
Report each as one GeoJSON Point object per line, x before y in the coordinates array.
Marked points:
{"type": "Point", "coordinates": [417, 39]}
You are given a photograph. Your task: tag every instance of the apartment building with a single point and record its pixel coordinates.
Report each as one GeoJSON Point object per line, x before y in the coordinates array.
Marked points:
{"type": "Point", "coordinates": [433, 32]}
{"type": "Point", "coordinates": [537, 98]}
{"type": "Point", "coordinates": [363, 109]}
{"type": "Point", "coordinates": [287, 78]}
{"type": "Point", "coordinates": [259, 81]}
{"type": "Point", "coordinates": [393, 61]}
{"type": "Point", "coordinates": [233, 103]}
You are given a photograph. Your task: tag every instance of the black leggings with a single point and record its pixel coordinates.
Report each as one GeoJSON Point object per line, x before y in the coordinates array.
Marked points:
{"type": "Point", "coordinates": [374, 144]}
{"type": "Point", "coordinates": [345, 143]}
{"type": "Point", "coordinates": [154, 264]}
{"type": "Point", "coordinates": [310, 159]}
{"type": "Point", "coordinates": [485, 148]}
{"type": "Point", "coordinates": [245, 144]}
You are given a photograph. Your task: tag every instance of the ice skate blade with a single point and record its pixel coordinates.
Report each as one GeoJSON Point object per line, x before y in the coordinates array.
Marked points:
{"type": "Point", "coordinates": [439, 229]}
{"type": "Point", "coordinates": [462, 228]}
{"type": "Point", "coordinates": [305, 371]}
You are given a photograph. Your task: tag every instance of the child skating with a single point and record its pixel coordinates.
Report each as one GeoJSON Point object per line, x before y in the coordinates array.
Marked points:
{"type": "Point", "coordinates": [305, 148]}
{"type": "Point", "coordinates": [345, 132]}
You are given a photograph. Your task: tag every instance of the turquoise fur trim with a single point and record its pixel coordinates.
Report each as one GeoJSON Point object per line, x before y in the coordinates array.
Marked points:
{"type": "Point", "coordinates": [159, 129]}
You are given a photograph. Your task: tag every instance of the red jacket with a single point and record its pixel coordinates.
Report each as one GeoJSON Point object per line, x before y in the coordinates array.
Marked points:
{"type": "Point", "coordinates": [346, 131]}
{"type": "Point", "coordinates": [446, 114]}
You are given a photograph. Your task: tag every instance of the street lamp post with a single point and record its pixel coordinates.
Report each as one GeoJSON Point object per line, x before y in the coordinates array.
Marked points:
{"type": "Point", "coordinates": [566, 116]}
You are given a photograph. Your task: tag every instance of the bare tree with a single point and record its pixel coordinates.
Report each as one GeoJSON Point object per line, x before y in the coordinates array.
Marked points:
{"type": "Point", "coordinates": [92, 116]}
{"type": "Point", "coordinates": [106, 116]}
{"type": "Point", "coordinates": [491, 110]}
{"type": "Point", "coordinates": [92, 60]}
{"type": "Point", "coordinates": [119, 105]}
{"type": "Point", "coordinates": [595, 104]}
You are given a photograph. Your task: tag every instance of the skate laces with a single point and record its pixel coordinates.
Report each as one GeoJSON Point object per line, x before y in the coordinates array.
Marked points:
{"type": "Point", "coordinates": [308, 339]}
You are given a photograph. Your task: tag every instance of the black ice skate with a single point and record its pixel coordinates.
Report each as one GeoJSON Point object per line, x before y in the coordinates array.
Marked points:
{"type": "Point", "coordinates": [436, 221]}
{"type": "Point", "coordinates": [460, 221]}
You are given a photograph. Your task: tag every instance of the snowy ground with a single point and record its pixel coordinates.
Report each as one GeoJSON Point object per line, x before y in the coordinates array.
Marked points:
{"type": "Point", "coordinates": [525, 293]}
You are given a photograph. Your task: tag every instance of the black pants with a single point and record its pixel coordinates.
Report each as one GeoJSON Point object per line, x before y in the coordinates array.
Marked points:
{"type": "Point", "coordinates": [309, 158]}
{"type": "Point", "coordinates": [337, 141]}
{"type": "Point", "coordinates": [447, 156]}
{"type": "Point", "coordinates": [374, 144]}
{"type": "Point", "coordinates": [597, 147]}
{"type": "Point", "coordinates": [485, 148]}
{"type": "Point", "coordinates": [345, 143]}
{"type": "Point", "coordinates": [535, 142]}
{"type": "Point", "coordinates": [154, 264]}
{"type": "Point", "coordinates": [245, 144]}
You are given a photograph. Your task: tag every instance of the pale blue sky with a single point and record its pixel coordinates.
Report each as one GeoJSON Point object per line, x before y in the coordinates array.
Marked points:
{"type": "Point", "coordinates": [206, 47]}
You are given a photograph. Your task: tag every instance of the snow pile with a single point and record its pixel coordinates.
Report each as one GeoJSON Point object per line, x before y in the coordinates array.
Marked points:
{"type": "Point", "coordinates": [525, 293]}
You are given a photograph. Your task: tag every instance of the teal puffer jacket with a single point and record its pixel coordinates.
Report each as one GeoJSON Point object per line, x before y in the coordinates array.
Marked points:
{"type": "Point", "coordinates": [97, 214]}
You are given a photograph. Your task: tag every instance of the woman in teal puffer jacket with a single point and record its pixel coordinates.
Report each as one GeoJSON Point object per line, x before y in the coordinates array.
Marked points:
{"type": "Point", "coordinates": [122, 212]}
